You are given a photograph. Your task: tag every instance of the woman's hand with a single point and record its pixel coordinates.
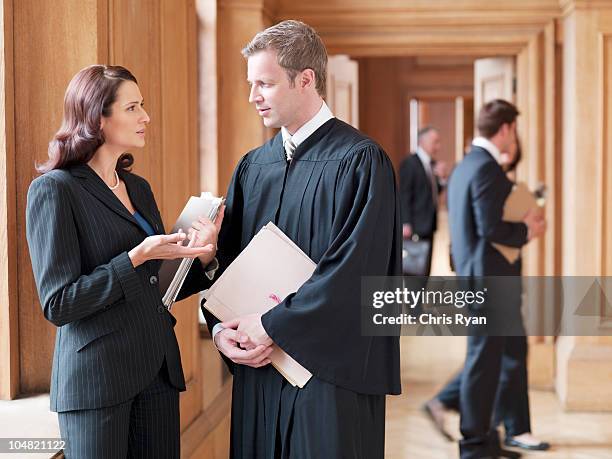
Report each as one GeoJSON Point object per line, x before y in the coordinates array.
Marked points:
{"type": "Point", "coordinates": [168, 247]}
{"type": "Point", "coordinates": [206, 233]}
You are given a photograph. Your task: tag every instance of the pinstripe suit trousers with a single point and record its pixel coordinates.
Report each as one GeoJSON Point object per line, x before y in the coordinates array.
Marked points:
{"type": "Point", "coordinates": [144, 427]}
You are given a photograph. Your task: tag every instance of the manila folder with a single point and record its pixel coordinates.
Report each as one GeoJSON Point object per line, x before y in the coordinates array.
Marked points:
{"type": "Point", "coordinates": [270, 268]}
{"type": "Point", "coordinates": [518, 203]}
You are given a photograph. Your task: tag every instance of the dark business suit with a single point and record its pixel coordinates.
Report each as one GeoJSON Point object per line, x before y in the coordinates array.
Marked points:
{"type": "Point", "coordinates": [114, 335]}
{"type": "Point", "coordinates": [477, 191]}
{"type": "Point", "coordinates": [417, 203]}
{"type": "Point", "coordinates": [512, 399]}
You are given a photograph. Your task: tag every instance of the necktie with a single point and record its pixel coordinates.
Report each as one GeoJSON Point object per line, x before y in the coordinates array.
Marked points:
{"type": "Point", "coordinates": [289, 148]}
{"type": "Point", "coordinates": [434, 183]}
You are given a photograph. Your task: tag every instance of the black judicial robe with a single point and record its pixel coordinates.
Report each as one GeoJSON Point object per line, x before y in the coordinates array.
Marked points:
{"type": "Point", "coordinates": [337, 201]}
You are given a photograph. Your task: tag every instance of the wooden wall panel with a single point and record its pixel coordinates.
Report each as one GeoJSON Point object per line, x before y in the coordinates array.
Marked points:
{"type": "Point", "coordinates": [583, 363]}
{"type": "Point", "coordinates": [439, 77]}
{"type": "Point", "coordinates": [442, 117]}
{"type": "Point", "coordinates": [380, 105]}
{"type": "Point", "coordinates": [386, 86]}
{"type": "Point", "coordinates": [207, 96]}
{"type": "Point", "coordinates": [180, 168]}
{"type": "Point", "coordinates": [551, 158]}
{"type": "Point", "coordinates": [205, 437]}
{"type": "Point", "coordinates": [157, 42]}
{"type": "Point", "coordinates": [581, 157]}
{"type": "Point", "coordinates": [343, 89]}
{"type": "Point", "coordinates": [425, 8]}
{"type": "Point", "coordinates": [421, 27]}
{"type": "Point", "coordinates": [135, 43]}
{"type": "Point", "coordinates": [530, 102]}
{"type": "Point", "coordinates": [9, 323]}
{"type": "Point", "coordinates": [606, 166]}
{"type": "Point", "coordinates": [240, 127]}
{"type": "Point", "coordinates": [494, 79]}
{"type": "Point", "coordinates": [42, 73]}
{"type": "Point", "coordinates": [536, 101]}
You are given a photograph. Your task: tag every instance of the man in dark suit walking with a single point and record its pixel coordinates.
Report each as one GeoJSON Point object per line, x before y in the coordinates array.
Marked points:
{"type": "Point", "coordinates": [477, 191]}
{"type": "Point", "coordinates": [421, 180]}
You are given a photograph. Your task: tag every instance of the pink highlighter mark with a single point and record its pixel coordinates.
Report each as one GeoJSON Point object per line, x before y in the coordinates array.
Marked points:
{"type": "Point", "coordinates": [275, 298]}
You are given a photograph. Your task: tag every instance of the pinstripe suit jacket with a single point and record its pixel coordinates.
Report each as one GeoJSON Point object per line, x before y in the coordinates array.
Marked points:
{"type": "Point", "coordinates": [113, 331]}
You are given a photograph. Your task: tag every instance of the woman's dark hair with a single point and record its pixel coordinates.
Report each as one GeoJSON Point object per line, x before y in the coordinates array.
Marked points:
{"type": "Point", "coordinates": [89, 97]}
{"type": "Point", "coordinates": [517, 158]}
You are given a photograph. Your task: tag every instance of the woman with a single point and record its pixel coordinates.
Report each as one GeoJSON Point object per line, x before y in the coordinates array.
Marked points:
{"type": "Point", "coordinates": [96, 239]}
{"type": "Point", "coordinates": [512, 404]}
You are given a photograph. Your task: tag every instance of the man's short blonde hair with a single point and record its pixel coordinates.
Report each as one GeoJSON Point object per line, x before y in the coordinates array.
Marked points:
{"type": "Point", "coordinates": [298, 47]}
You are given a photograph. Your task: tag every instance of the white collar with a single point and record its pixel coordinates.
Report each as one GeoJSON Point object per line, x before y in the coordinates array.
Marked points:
{"type": "Point", "coordinates": [323, 116]}
{"type": "Point", "coordinates": [423, 156]}
{"type": "Point", "coordinates": [485, 143]}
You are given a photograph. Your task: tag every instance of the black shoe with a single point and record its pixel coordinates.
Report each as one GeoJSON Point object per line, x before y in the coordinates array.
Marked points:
{"type": "Point", "coordinates": [542, 446]}
{"type": "Point", "coordinates": [436, 423]}
{"type": "Point", "coordinates": [508, 454]}
{"type": "Point", "coordinates": [502, 453]}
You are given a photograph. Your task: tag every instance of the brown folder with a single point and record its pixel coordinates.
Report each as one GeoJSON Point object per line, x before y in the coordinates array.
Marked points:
{"type": "Point", "coordinates": [270, 267]}
{"type": "Point", "coordinates": [519, 202]}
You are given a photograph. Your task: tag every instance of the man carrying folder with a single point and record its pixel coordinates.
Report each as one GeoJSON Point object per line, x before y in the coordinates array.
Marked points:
{"type": "Point", "coordinates": [331, 190]}
{"type": "Point", "coordinates": [477, 191]}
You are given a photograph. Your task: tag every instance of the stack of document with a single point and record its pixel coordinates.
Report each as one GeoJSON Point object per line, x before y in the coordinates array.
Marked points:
{"type": "Point", "coordinates": [518, 203]}
{"type": "Point", "coordinates": [270, 267]}
{"type": "Point", "coordinates": [172, 273]}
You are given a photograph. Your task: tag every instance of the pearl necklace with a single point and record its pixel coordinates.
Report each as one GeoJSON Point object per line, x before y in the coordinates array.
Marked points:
{"type": "Point", "coordinates": [117, 184]}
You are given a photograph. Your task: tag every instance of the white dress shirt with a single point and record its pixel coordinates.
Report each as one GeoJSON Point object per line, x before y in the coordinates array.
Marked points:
{"type": "Point", "coordinates": [323, 116]}
{"type": "Point", "coordinates": [489, 146]}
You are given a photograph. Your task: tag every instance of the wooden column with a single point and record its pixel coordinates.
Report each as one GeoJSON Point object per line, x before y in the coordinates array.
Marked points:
{"type": "Point", "coordinates": [584, 364]}
{"type": "Point", "coordinates": [164, 33]}
{"type": "Point", "coordinates": [51, 42]}
{"type": "Point", "coordinates": [208, 94]}
{"type": "Point", "coordinates": [380, 110]}
{"type": "Point", "coordinates": [536, 124]}
{"type": "Point", "coordinates": [9, 330]}
{"type": "Point", "coordinates": [240, 129]}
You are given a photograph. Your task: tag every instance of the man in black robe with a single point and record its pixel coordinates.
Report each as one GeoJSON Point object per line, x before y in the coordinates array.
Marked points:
{"type": "Point", "coordinates": [332, 191]}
